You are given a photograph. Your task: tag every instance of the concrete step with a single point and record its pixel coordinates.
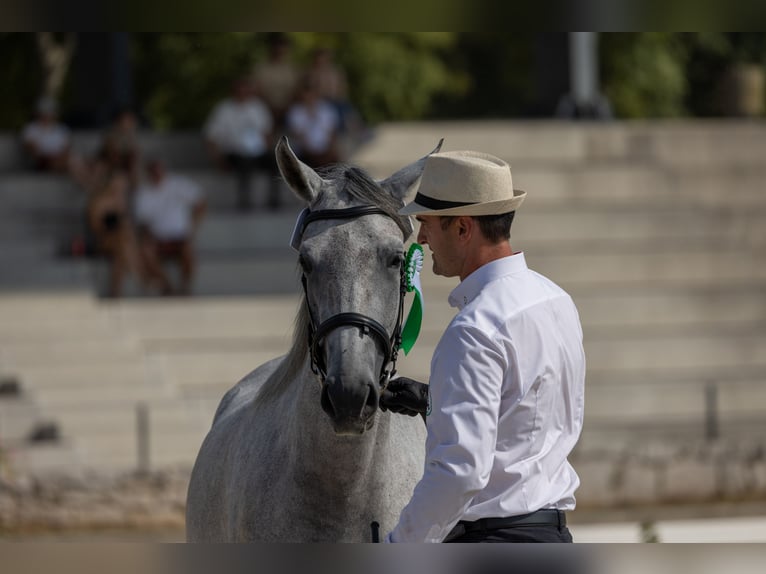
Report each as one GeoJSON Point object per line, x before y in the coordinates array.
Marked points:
{"type": "Point", "coordinates": [682, 143]}
{"type": "Point", "coordinates": [198, 368]}
{"type": "Point", "coordinates": [540, 225]}
{"type": "Point", "coordinates": [18, 416]}
{"type": "Point", "coordinates": [615, 357]}
{"type": "Point", "coordinates": [665, 399]}
{"type": "Point", "coordinates": [158, 321]}
{"type": "Point", "coordinates": [17, 356]}
{"type": "Point", "coordinates": [15, 253]}
{"type": "Point", "coordinates": [44, 459]}
{"type": "Point", "coordinates": [48, 275]}
{"type": "Point", "coordinates": [693, 267]}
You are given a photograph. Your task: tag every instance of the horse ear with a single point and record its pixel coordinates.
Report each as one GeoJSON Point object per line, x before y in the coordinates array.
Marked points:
{"type": "Point", "coordinates": [303, 180]}
{"type": "Point", "coordinates": [400, 183]}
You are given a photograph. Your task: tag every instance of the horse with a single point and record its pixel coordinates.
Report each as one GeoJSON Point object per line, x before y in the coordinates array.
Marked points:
{"type": "Point", "coordinates": [298, 450]}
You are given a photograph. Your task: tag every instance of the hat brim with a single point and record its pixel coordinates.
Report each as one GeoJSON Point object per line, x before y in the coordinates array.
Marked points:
{"type": "Point", "coordinates": [487, 208]}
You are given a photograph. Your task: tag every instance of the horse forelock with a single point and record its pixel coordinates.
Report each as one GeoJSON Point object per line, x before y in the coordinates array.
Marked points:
{"type": "Point", "coordinates": [357, 184]}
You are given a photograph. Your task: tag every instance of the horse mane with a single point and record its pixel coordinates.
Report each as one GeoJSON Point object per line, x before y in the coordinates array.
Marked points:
{"type": "Point", "coordinates": [358, 185]}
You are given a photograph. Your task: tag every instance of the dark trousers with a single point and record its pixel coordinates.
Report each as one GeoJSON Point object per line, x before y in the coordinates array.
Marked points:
{"type": "Point", "coordinates": [552, 528]}
{"type": "Point", "coordinates": [245, 167]}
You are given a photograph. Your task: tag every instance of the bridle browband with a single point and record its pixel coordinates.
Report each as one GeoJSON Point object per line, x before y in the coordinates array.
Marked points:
{"type": "Point", "coordinates": [369, 326]}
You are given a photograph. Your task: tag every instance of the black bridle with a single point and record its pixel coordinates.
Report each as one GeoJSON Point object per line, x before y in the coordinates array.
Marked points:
{"type": "Point", "coordinates": [368, 325]}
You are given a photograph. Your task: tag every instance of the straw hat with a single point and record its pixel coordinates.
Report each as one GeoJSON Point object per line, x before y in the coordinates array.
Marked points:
{"type": "Point", "coordinates": [465, 183]}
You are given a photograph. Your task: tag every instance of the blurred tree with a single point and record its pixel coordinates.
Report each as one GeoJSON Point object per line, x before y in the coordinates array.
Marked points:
{"type": "Point", "coordinates": [714, 60]}
{"type": "Point", "coordinates": [494, 74]}
{"type": "Point", "coordinates": [643, 74]}
{"type": "Point", "coordinates": [179, 77]}
{"type": "Point", "coordinates": [21, 79]}
{"type": "Point", "coordinates": [397, 76]}
{"type": "Point", "coordinates": [55, 55]}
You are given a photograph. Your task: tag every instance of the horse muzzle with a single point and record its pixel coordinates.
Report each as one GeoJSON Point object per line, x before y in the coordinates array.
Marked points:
{"type": "Point", "coordinates": [350, 404]}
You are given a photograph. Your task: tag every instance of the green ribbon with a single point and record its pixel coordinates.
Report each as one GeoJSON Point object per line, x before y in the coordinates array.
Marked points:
{"type": "Point", "coordinates": [413, 265]}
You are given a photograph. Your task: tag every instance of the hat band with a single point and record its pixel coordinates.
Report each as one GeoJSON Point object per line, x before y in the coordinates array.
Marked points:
{"type": "Point", "coordinates": [431, 203]}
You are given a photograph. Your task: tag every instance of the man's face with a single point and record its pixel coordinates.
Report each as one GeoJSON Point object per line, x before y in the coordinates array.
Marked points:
{"type": "Point", "coordinates": [445, 249]}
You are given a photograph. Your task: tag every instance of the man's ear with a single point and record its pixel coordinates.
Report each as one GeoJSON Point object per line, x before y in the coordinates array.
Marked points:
{"type": "Point", "coordinates": [466, 227]}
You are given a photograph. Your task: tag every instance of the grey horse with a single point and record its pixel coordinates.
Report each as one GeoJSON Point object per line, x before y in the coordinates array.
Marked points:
{"type": "Point", "coordinates": [298, 450]}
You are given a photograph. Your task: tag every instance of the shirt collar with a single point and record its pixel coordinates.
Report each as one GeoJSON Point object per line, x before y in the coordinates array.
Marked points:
{"type": "Point", "coordinates": [472, 285]}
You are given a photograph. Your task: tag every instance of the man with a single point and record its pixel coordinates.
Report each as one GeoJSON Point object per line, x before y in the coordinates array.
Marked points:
{"type": "Point", "coordinates": [46, 140]}
{"type": "Point", "coordinates": [507, 377]}
{"type": "Point", "coordinates": [168, 209]}
{"type": "Point", "coordinates": [239, 136]}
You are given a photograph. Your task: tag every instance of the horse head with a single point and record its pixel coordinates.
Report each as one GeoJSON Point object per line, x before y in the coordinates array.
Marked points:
{"type": "Point", "coordinates": [351, 249]}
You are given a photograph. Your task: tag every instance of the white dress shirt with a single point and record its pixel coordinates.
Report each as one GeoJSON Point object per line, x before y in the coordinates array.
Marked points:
{"type": "Point", "coordinates": [240, 127]}
{"type": "Point", "coordinates": [507, 396]}
{"type": "Point", "coordinates": [165, 208]}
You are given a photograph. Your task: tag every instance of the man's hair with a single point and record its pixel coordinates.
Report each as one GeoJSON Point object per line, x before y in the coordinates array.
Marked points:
{"type": "Point", "coordinates": [495, 228]}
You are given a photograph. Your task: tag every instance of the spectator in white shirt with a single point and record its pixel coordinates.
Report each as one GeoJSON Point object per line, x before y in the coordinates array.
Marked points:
{"type": "Point", "coordinates": [239, 134]}
{"type": "Point", "coordinates": [168, 210]}
{"type": "Point", "coordinates": [505, 397]}
{"type": "Point", "coordinates": [313, 123]}
{"type": "Point", "coordinates": [47, 141]}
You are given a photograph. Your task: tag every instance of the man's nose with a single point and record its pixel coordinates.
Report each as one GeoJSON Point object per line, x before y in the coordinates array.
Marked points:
{"type": "Point", "coordinates": [422, 236]}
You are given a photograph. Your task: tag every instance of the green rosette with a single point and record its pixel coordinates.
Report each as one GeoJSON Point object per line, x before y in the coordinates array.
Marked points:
{"type": "Point", "coordinates": [413, 266]}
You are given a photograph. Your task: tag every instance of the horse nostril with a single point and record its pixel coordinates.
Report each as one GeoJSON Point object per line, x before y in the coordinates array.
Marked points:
{"type": "Point", "coordinates": [372, 397]}
{"type": "Point", "coordinates": [326, 402]}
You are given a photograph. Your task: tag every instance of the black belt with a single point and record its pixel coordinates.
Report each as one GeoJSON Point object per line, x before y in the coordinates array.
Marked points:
{"type": "Point", "coordinates": [544, 517]}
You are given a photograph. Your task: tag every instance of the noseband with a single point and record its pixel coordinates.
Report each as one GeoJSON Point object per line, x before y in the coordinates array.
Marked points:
{"type": "Point", "coordinates": [368, 325]}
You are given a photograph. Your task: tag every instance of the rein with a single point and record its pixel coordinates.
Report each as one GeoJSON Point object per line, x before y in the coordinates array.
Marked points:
{"type": "Point", "coordinates": [369, 326]}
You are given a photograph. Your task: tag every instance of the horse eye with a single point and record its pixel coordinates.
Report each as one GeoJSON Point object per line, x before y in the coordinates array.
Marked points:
{"type": "Point", "coordinates": [396, 260]}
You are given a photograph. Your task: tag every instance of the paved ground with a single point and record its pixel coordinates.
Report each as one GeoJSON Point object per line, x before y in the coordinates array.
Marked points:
{"type": "Point", "coordinates": [710, 530]}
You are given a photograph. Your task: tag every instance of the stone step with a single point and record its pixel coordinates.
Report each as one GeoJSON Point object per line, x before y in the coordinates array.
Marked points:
{"type": "Point", "coordinates": [18, 416]}
{"type": "Point", "coordinates": [155, 320]}
{"type": "Point", "coordinates": [17, 356]}
{"type": "Point", "coordinates": [115, 417]}
{"type": "Point", "coordinates": [540, 225]}
{"type": "Point", "coordinates": [44, 459]}
{"type": "Point", "coordinates": [13, 254]}
{"type": "Point", "coordinates": [691, 268]}
{"type": "Point", "coordinates": [635, 311]}
{"type": "Point", "coordinates": [684, 143]}
{"type": "Point", "coordinates": [53, 274]}
{"type": "Point", "coordinates": [198, 368]}
{"type": "Point", "coordinates": [53, 398]}
{"type": "Point", "coordinates": [616, 357]}
{"type": "Point", "coordinates": [665, 399]}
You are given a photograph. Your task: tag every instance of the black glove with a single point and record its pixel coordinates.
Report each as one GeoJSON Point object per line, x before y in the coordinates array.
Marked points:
{"type": "Point", "coordinates": [405, 396]}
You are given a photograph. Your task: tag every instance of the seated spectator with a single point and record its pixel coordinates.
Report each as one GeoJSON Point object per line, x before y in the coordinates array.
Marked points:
{"type": "Point", "coordinates": [276, 78]}
{"type": "Point", "coordinates": [120, 148]}
{"type": "Point", "coordinates": [313, 124]}
{"type": "Point", "coordinates": [47, 141]}
{"type": "Point", "coordinates": [331, 83]}
{"type": "Point", "coordinates": [239, 137]}
{"type": "Point", "coordinates": [168, 210]}
{"type": "Point", "coordinates": [109, 222]}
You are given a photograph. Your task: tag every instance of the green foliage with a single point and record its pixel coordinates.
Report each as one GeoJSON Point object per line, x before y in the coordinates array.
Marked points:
{"type": "Point", "coordinates": [643, 74]}
{"type": "Point", "coordinates": [395, 76]}
{"type": "Point", "coordinates": [180, 76]}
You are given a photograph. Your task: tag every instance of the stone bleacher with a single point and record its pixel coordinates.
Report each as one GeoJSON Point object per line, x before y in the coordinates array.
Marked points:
{"type": "Point", "coordinates": [654, 228]}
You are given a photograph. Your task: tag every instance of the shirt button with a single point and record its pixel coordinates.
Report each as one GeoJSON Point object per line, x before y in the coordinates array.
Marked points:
{"type": "Point", "coordinates": [465, 300]}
